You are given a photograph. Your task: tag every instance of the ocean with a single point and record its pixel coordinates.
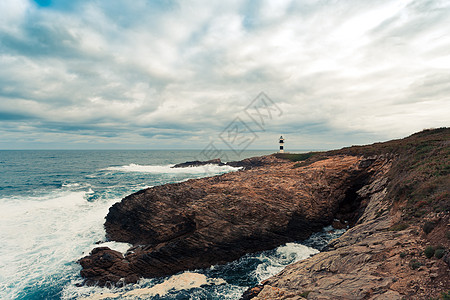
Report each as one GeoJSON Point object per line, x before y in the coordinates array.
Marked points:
{"type": "Point", "coordinates": [52, 210]}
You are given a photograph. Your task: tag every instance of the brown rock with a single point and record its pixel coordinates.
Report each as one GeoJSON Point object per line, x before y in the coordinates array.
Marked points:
{"type": "Point", "coordinates": [207, 221]}
{"type": "Point", "coordinates": [198, 223]}
{"type": "Point", "coordinates": [105, 266]}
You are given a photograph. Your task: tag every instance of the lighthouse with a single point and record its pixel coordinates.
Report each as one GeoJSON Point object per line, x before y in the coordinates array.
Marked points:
{"type": "Point", "coordinates": [281, 144]}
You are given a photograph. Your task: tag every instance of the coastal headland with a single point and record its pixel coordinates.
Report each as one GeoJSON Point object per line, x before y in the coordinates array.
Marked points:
{"type": "Point", "coordinates": [393, 197]}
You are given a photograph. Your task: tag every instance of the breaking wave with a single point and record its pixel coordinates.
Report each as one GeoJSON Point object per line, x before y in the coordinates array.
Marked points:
{"type": "Point", "coordinates": [168, 169]}
{"type": "Point", "coordinates": [43, 237]}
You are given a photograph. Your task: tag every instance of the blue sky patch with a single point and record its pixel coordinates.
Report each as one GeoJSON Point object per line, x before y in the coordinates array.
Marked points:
{"type": "Point", "coordinates": [43, 3]}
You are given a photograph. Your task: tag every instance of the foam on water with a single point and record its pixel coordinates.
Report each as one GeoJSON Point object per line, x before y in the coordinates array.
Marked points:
{"type": "Point", "coordinates": [52, 214]}
{"type": "Point", "coordinates": [42, 237]}
{"type": "Point", "coordinates": [202, 284]}
{"type": "Point", "coordinates": [183, 281]}
{"type": "Point", "coordinates": [273, 263]}
{"type": "Point", "coordinates": [52, 209]}
{"type": "Point", "coordinates": [167, 169]}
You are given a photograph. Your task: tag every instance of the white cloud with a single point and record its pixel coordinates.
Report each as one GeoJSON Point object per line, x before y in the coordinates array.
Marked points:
{"type": "Point", "coordinates": [342, 72]}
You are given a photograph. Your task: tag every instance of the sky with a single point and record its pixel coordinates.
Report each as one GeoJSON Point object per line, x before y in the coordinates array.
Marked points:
{"type": "Point", "coordinates": [234, 75]}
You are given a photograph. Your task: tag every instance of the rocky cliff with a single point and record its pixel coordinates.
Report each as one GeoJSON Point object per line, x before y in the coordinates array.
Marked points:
{"type": "Point", "coordinates": [198, 223]}
{"type": "Point", "coordinates": [399, 247]}
{"type": "Point", "coordinates": [372, 260]}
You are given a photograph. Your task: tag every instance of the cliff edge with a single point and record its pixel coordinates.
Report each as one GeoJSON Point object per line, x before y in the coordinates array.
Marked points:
{"type": "Point", "coordinates": [398, 248]}
{"type": "Point", "coordinates": [283, 198]}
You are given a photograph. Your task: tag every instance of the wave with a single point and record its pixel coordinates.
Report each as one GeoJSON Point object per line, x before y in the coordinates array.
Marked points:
{"type": "Point", "coordinates": [224, 282]}
{"type": "Point", "coordinates": [217, 282]}
{"type": "Point", "coordinates": [121, 247]}
{"type": "Point", "coordinates": [43, 236]}
{"type": "Point", "coordinates": [167, 169]}
{"type": "Point", "coordinates": [273, 263]}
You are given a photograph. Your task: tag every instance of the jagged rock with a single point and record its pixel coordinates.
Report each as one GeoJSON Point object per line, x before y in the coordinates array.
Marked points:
{"type": "Point", "coordinates": [105, 266]}
{"type": "Point", "coordinates": [197, 163]}
{"type": "Point", "coordinates": [202, 222]}
{"type": "Point", "coordinates": [252, 292]}
{"type": "Point", "coordinates": [364, 263]}
{"type": "Point", "coordinates": [245, 164]}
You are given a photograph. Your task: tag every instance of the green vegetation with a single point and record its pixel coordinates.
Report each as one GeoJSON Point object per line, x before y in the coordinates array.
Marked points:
{"type": "Point", "coordinates": [445, 295]}
{"type": "Point", "coordinates": [420, 173]}
{"type": "Point", "coordinates": [403, 254]}
{"type": "Point", "coordinates": [428, 227]}
{"type": "Point", "coordinates": [296, 156]}
{"type": "Point", "coordinates": [305, 294]}
{"type": "Point", "coordinates": [399, 227]}
{"type": "Point", "coordinates": [414, 264]}
{"type": "Point", "coordinates": [439, 253]}
{"type": "Point", "coordinates": [429, 251]}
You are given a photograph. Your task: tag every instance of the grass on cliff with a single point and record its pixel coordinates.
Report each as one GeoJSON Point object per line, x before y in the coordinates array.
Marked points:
{"type": "Point", "coordinates": [420, 174]}
{"type": "Point", "coordinates": [296, 156]}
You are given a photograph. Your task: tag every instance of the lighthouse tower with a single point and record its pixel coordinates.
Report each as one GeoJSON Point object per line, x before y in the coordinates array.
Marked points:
{"type": "Point", "coordinates": [281, 144]}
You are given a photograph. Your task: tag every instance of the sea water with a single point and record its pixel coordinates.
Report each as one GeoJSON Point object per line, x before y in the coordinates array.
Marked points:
{"type": "Point", "coordinates": [52, 210]}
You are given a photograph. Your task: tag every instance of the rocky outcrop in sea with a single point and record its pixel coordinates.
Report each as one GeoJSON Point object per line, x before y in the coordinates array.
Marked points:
{"type": "Point", "coordinates": [202, 222]}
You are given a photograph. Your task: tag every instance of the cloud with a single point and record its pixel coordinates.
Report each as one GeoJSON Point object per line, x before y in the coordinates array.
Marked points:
{"type": "Point", "coordinates": [173, 73]}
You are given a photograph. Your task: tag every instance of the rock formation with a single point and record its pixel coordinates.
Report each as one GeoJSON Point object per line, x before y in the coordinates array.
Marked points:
{"type": "Point", "coordinates": [373, 260]}
{"type": "Point", "coordinates": [201, 222]}
{"type": "Point", "coordinates": [399, 247]}
{"type": "Point", "coordinates": [245, 164]}
{"type": "Point", "coordinates": [198, 163]}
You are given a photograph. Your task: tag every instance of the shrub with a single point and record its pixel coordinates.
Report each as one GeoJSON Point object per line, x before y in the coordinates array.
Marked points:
{"type": "Point", "coordinates": [439, 253]}
{"type": "Point", "coordinates": [428, 227]}
{"type": "Point", "coordinates": [445, 296]}
{"type": "Point", "coordinates": [399, 227]}
{"type": "Point", "coordinates": [429, 251]}
{"type": "Point", "coordinates": [414, 264]}
{"type": "Point", "coordinates": [305, 294]}
{"type": "Point", "coordinates": [403, 254]}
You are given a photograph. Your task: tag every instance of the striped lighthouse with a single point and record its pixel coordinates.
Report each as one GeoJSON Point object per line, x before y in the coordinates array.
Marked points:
{"type": "Point", "coordinates": [281, 144]}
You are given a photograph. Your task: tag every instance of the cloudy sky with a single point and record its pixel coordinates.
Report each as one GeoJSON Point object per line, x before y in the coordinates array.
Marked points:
{"type": "Point", "coordinates": [167, 74]}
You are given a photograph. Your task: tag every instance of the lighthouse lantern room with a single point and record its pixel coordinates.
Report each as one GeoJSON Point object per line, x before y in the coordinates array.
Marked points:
{"type": "Point", "coordinates": [281, 144]}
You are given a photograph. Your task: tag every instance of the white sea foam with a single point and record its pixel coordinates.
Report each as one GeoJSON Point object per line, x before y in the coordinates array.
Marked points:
{"type": "Point", "coordinates": [167, 169]}
{"type": "Point", "coordinates": [42, 237]}
{"type": "Point", "coordinates": [284, 255]}
{"type": "Point", "coordinates": [145, 288]}
{"type": "Point", "coordinates": [69, 185]}
{"type": "Point", "coordinates": [272, 262]}
{"type": "Point", "coordinates": [121, 247]}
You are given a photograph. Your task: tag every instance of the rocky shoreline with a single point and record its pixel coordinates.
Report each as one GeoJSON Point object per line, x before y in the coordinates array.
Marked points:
{"type": "Point", "coordinates": [372, 260]}
{"type": "Point", "coordinates": [274, 200]}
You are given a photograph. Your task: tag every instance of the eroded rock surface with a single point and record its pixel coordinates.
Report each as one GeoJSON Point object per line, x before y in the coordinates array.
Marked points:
{"type": "Point", "coordinates": [202, 222]}
{"type": "Point", "coordinates": [372, 260]}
